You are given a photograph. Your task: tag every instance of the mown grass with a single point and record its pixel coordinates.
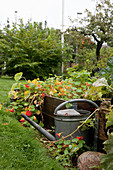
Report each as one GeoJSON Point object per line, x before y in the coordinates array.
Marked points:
{"type": "Point", "coordinates": [20, 147]}
{"type": "Point", "coordinates": [5, 86]}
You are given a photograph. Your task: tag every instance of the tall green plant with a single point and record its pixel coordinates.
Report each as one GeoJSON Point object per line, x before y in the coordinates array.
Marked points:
{"type": "Point", "coordinates": [32, 49]}
{"type": "Point", "coordinates": [108, 70]}
{"type": "Point", "coordinates": [107, 159]}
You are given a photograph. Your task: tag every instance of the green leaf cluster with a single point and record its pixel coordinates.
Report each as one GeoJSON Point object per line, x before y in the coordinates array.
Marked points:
{"type": "Point", "coordinates": [67, 151]}
{"type": "Point", "coordinates": [107, 159]}
{"type": "Point", "coordinates": [107, 72]}
{"type": "Point", "coordinates": [32, 49]}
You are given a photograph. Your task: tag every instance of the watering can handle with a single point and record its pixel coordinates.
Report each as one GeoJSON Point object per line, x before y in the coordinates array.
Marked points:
{"type": "Point", "coordinates": [74, 101]}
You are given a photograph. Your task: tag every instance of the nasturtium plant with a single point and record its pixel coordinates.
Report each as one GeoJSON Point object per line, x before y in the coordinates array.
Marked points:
{"type": "Point", "coordinates": [29, 95]}
{"type": "Point", "coordinates": [100, 87]}
{"type": "Point", "coordinates": [66, 152]}
{"type": "Point", "coordinates": [18, 76]}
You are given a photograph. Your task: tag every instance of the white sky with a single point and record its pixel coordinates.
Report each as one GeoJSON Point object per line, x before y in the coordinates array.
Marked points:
{"type": "Point", "coordinates": [41, 10]}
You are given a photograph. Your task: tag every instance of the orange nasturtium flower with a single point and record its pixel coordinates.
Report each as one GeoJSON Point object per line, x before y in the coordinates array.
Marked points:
{"type": "Point", "coordinates": [34, 81]}
{"type": "Point", "coordinates": [0, 106]}
{"type": "Point", "coordinates": [58, 83]}
{"type": "Point", "coordinates": [87, 84]}
{"type": "Point", "coordinates": [54, 91]}
{"type": "Point", "coordinates": [39, 86]}
{"type": "Point", "coordinates": [11, 110]}
{"type": "Point", "coordinates": [35, 102]}
{"type": "Point", "coordinates": [5, 124]}
{"type": "Point", "coordinates": [80, 138]}
{"type": "Point", "coordinates": [84, 95]}
{"type": "Point", "coordinates": [60, 94]}
{"type": "Point", "coordinates": [22, 120]}
{"type": "Point", "coordinates": [29, 81]}
{"type": "Point", "coordinates": [69, 82]}
{"type": "Point", "coordinates": [25, 108]}
{"type": "Point", "coordinates": [7, 110]}
{"type": "Point", "coordinates": [43, 94]}
{"type": "Point", "coordinates": [64, 146]}
{"type": "Point", "coordinates": [23, 112]}
{"type": "Point", "coordinates": [34, 117]}
{"type": "Point", "coordinates": [19, 84]}
{"type": "Point", "coordinates": [28, 113]}
{"type": "Point", "coordinates": [26, 85]}
{"type": "Point", "coordinates": [58, 134]}
{"type": "Point", "coordinates": [38, 112]}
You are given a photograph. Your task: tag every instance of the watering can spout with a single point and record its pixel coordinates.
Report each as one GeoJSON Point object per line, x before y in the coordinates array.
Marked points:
{"type": "Point", "coordinates": [39, 128]}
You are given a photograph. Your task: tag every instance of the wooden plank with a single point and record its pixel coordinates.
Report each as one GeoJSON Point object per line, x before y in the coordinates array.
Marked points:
{"type": "Point", "coordinates": [50, 104]}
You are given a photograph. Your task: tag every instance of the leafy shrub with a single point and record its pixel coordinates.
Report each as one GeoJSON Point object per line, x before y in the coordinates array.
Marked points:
{"type": "Point", "coordinates": [107, 159]}
{"type": "Point", "coordinates": [33, 50]}
{"type": "Point", "coordinates": [107, 72]}
{"type": "Point", "coordinates": [28, 97]}
{"type": "Point", "coordinates": [66, 152]}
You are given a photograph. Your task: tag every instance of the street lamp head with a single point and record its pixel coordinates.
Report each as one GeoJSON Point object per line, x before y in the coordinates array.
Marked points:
{"type": "Point", "coordinates": [79, 13]}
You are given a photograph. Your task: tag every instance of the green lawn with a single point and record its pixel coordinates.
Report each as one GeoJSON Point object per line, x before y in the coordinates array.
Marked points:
{"type": "Point", "coordinates": [19, 148]}
{"type": "Point", "coordinates": [5, 86]}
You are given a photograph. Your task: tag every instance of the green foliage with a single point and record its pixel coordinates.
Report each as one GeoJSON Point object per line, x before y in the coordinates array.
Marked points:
{"type": "Point", "coordinates": [67, 151]}
{"type": "Point", "coordinates": [28, 97]}
{"type": "Point", "coordinates": [101, 88]}
{"type": "Point", "coordinates": [109, 118]}
{"type": "Point", "coordinates": [107, 159]}
{"type": "Point", "coordinates": [107, 72]}
{"type": "Point", "coordinates": [18, 76]}
{"type": "Point", "coordinates": [82, 46]}
{"type": "Point", "coordinates": [30, 49]}
{"type": "Point", "coordinates": [99, 25]}
{"type": "Point", "coordinates": [20, 147]}
{"type": "Point", "coordinates": [90, 59]}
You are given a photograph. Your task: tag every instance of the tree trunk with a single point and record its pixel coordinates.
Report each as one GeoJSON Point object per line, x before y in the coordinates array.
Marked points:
{"type": "Point", "coordinates": [98, 48]}
{"type": "Point", "coordinates": [99, 45]}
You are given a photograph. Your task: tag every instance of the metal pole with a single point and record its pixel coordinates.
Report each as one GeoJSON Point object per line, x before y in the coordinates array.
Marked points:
{"type": "Point", "coordinates": [62, 35]}
{"type": "Point", "coordinates": [78, 13]}
{"type": "Point", "coordinates": [16, 17]}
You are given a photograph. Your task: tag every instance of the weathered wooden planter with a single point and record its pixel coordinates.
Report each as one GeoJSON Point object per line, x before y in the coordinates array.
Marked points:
{"type": "Point", "coordinates": [50, 104]}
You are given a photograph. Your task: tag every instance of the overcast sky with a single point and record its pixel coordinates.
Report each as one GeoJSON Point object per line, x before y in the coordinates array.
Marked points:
{"type": "Point", "coordinates": [41, 10]}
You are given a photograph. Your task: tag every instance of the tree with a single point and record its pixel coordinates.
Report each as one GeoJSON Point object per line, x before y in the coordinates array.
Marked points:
{"type": "Point", "coordinates": [32, 49]}
{"type": "Point", "coordinates": [82, 45]}
{"type": "Point", "coordinates": [99, 25]}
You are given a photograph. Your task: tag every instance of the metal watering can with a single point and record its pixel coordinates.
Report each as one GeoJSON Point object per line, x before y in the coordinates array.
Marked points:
{"type": "Point", "coordinates": [66, 121]}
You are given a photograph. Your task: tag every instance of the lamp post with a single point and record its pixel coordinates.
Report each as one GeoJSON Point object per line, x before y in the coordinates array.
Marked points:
{"type": "Point", "coordinates": [62, 34]}
{"type": "Point", "coordinates": [78, 13]}
{"type": "Point", "coordinates": [16, 17]}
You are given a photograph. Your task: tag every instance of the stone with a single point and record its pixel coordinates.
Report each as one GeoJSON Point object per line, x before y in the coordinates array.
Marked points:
{"type": "Point", "coordinates": [89, 159]}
